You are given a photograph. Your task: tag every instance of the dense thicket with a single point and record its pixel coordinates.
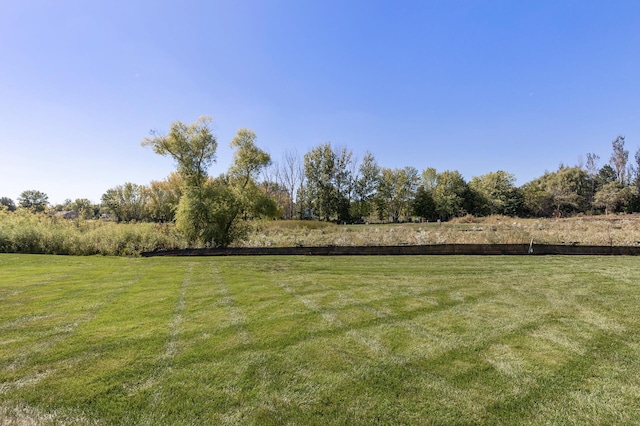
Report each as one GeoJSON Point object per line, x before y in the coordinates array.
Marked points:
{"type": "Point", "coordinates": [23, 231]}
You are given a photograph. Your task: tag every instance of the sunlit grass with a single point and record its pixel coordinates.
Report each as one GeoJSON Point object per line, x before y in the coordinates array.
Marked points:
{"type": "Point", "coordinates": [304, 340]}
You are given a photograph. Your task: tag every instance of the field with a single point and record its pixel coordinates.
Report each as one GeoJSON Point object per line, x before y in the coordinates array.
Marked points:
{"type": "Point", "coordinates": [319, 340]}
{"type": "Point", "coordinates": [24, 232]}
{"type": "Point", "coordinates": [612, 230]}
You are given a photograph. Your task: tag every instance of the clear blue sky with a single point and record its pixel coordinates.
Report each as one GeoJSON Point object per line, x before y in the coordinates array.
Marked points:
{"type": "Point", "coordinates": [475, 86]}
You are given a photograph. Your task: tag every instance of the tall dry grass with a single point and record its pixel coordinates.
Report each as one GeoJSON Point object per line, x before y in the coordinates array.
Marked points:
{"type": "Point", "coordinates": [622, 230]}
{"type": "Point", "coordinates": [23, 232]}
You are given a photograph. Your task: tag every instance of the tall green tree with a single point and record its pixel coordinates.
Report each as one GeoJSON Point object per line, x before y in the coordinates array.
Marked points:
{"type": "Point", "coordinates": [612, 197]}
{"type": "Point", "coordinates": [423, 205]}
{"type": "Point", "coordinates": [193, 147]}
{"type": "Point", "coordinates": [195, 217]}
{"type": "Point", "coordinates": [365, 187]}
{"type": "Point", "coordinates": [248, 162]}
{"type": "Point", "coordinates": [126, 202]}
{"type": "Point", "coordinates": [219, 208]}
{"type": "Point", "coordinates": [514, 204]}
{"type": "Point", "coordinates": [320, 192]}
{"type": "Point", "coordinates": [592, 170]}
{"type": "Point", "coordinates": [36, 201]}
{"type": "Point", "coordinates": [396, 190]}
{"type": "Point", "coordinates": [570, 188]}
{"type": "Point", "coordinates": [84, 208]}
{"type": "Point", "coordinates": [279, 195]}
{"type": "Point", "coordinates": [329, 182]}
{"type": "Point", "coordinates": [429, 179]}
{"type": "Point", "coordinates": [494, 190]}
{"type": "Point", "coordinates": [606, 175]}
{"type": "Point", "coordinates": [538, 202]}
{"type": "Point", "coordinates": [163, 198]}
{"type": "Point", "coordinates": [449, 194]}
{"type": "Point", "coordinates": [565, 191]}
{"type": "Point", "coordinates": [619, 159]}
{"type": "Point", "coordinates": [344, 183]}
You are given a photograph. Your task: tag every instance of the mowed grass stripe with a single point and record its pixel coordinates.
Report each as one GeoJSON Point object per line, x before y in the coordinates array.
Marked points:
{"type": "Point", "coordinates": [348, 340]}
{"type": "Point", "coordinates": [40, 317]}
{"type": "Point", "coordinates": [113, 343]}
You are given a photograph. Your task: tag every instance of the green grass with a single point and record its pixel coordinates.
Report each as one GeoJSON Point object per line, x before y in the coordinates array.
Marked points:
{"type": "Point", "coordinates": [319, 340]}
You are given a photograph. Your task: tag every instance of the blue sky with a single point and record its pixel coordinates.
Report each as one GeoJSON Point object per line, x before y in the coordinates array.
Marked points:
{"type": "Point", "coordinates": [473, 86]}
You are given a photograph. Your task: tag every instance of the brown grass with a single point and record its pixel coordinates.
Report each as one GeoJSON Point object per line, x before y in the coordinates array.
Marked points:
{"type": "Point", "coordinates": [617, 230]}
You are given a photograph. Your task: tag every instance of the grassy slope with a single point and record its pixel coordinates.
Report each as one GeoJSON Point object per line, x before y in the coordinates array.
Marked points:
{"type": "Point", "coordinates": [623, 230]}
{"type": "Point", "coordinates": [301, 340]}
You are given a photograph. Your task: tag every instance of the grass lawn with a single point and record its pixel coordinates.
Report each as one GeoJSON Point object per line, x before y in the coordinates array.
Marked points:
{"type": "Point", "coordinates": [319, 340]}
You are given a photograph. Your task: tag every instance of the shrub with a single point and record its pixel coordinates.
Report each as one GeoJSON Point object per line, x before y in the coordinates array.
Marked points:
{"type": "Point", "coordinates": [25, 232]}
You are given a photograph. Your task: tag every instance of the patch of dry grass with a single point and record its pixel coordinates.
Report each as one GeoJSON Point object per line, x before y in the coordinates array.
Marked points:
{"type": "Point", "coordinates": [623, 230]}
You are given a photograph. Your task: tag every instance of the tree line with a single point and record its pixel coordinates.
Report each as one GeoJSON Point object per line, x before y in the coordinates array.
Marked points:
{"type": "Point", "coordinates": [332, 184]}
